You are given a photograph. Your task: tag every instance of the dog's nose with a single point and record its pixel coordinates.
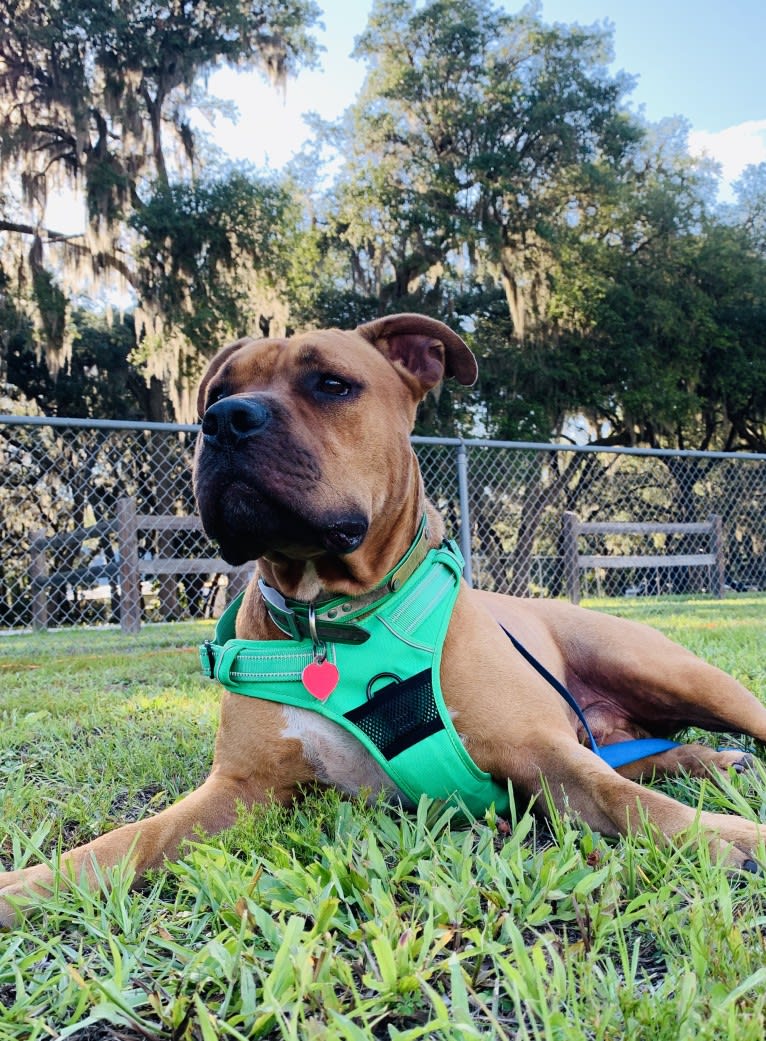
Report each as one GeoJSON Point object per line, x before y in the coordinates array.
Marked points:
{"type": "Point", "coordinates": [233, 419]}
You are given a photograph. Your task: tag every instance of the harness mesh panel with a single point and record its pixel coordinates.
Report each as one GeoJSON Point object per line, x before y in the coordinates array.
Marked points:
{"type": "Point", "coordinates": [399, 715]}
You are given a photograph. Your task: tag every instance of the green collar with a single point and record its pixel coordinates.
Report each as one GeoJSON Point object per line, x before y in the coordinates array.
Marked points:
{"type": "Point", "coordinates": [332, 621]}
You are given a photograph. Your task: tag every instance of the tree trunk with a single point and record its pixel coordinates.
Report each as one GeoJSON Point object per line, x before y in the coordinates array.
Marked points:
{"type": "Point", "coordinates": [537, 498]}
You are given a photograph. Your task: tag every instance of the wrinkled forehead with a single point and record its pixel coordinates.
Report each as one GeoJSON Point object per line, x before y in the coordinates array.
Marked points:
{"type": "Point", "coordinates": [334, 350]}
{"type": "Point", "coordinates": [254, 362]}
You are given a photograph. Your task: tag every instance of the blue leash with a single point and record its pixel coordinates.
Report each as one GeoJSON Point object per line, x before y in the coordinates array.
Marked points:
{"type": "Point", "coordinates": [619, 754]}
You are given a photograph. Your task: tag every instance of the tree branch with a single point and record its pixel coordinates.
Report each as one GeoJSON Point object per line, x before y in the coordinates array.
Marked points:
{"type": "Point", "coordinates": [108, 260]}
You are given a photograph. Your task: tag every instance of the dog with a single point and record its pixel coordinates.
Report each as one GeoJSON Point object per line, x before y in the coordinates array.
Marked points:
{"type": "Point", "coordinates": [304, 464]}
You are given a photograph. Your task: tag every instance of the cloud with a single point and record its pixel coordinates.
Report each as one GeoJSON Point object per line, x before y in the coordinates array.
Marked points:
{"type": "Point", "coordinates": [734, 148]}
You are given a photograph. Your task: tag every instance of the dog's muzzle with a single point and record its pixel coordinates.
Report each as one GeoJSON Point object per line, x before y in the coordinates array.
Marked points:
{"type": "Point", "coordinates": [255, 482]}
{"type": "Point", "coordinates": [234, 419]}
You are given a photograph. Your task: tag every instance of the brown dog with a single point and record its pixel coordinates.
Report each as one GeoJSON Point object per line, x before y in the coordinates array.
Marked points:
{"type": "Point", "coordinates": [304, 463]}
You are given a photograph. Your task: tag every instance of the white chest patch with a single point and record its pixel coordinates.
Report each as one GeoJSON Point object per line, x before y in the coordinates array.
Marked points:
{"type": "Point", "coordinates": [336, 756]}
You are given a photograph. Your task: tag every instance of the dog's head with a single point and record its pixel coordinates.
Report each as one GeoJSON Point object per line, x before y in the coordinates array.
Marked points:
{"type": "Point", "coordinates": [304, 448]}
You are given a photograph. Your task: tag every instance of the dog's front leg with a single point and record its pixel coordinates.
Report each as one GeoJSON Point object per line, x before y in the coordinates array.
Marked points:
{"type": "Point", "coordinates": [209, 809]}
{"type": "Point", "coordinates": [579, 781]}
{"type": "Point", "coordinates": [253, 764]}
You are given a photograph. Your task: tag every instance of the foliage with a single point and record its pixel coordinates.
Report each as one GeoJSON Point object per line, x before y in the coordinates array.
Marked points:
{"type": "Point", "coordinates": [749, 211]}
{"type": "Point", "coordinates": [493, 177]}
{"type": "Point", "coordinates": [99, 382]}
{"type": "Point", "coordinates": [100, 85]}
{"type": "Point", "coordinates": [348, 921]}
{"type": "Point", "coordinates": [490, 174]}
{"type": "Point", "coordinates": [655, 336]}
{"type": "Point", "coordinates": [98, 97]}
{"type": "Point", "coordinates": [477, 136]}
{"type": "Point", "coordinates": [687, 313]}
{"type": "Point", "coordinates": [211, 269]}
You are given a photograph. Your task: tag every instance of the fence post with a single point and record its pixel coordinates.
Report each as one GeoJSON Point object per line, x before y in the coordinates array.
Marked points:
{"type": "Point", "coordinates": [38, 575]}
{"type": "Point", "coordinates": [465, 513]}
{"type": "Point", "coordinates": [716, 538]}
{"type": "Point", "coordinates": [130, 579]}
{"type": "Point", "coordinates": [570, 523]}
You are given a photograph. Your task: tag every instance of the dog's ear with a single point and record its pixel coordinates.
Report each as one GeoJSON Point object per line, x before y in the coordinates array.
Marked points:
{"type": "Point", "coordinates": [427, 348]}
{"type": "Point", "coordinates": [213, 368]}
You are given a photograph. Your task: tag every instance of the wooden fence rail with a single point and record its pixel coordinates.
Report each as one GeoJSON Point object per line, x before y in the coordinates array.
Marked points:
{"type": "Point", "coordinates": [575, 562]}
{"type": "Point", "coordinates": [128, 569]}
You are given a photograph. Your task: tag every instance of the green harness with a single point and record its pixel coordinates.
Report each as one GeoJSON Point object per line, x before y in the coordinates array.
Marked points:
{"type": "Point", "coordinates": [388, 693]}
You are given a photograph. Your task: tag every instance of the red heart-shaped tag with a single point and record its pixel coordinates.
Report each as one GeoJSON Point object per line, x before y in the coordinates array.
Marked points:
{"type": "Point", "coordinates": [320, 678]}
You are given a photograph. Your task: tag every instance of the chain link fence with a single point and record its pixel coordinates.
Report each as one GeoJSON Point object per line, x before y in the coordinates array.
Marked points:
{"type": "Point", "coordinates": [61, 482]}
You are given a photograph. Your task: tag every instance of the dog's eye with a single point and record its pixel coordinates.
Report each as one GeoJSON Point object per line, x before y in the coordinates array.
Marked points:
{"type": "Point", "coordinates": [334, 386]}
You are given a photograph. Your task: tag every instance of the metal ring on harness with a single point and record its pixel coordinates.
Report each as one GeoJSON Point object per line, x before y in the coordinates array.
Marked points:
{"type": "Point", "coordinates": [320, 650]}
{"type": "Point", "coordinates": [381, 676]}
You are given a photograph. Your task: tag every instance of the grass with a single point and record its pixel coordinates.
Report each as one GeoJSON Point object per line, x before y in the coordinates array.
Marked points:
{"type": "Point", "coordinates": [338, 920]}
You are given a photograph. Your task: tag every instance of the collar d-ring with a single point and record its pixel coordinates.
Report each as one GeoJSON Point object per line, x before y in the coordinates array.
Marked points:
{"type": "Point", "coordinates": [320, 651]}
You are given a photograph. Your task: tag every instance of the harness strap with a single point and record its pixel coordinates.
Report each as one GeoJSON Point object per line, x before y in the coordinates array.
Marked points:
{"type": "Point", "coordinates": [621, 752]}
{"type": "Point", "coordinates": [389, 692]}
{"type": "Point", "coordinates": [404, 724]}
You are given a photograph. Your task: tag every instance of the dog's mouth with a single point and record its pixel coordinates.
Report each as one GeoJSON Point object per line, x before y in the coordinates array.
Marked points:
{"type": "Point", "coordinates": [345, 533]}
{"type": "Point", "coordinates": [314, 537]}
{"type": "Point", "coordinates": [248, 520]}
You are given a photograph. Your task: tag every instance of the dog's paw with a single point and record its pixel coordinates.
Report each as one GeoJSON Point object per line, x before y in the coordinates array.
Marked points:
{"type": "Point", "coordinates": [741, 866]}
{"type": "Point", "coordinates": [734, 759]}
{"type": "Point", "coordinates": [735, 843]}
{"type": "Point", "coordinates": [12, 900]}
{"type": "Point", "coordinates": [701, 761]}
{"type": "Point", "coordinates": [18, 892]}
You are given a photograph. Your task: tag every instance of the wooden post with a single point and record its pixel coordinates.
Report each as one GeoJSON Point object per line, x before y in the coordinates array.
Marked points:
{"type": "Point", "coordinates": [38, 575]}
{"type": "Point", "coordinates": [717, 549]}
{"type": "Point", "coordinates": [570, 523]}
{"type": "Point", "coordinates": [130, 578]}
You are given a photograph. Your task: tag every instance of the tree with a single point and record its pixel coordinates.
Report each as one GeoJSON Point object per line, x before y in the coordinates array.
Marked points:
{"type": "Point", "coordinates": [100, 380]}
{"type": "Point", "coordinates": [749, 210]}
{"type": "Point", "coordinates": [213, 263]}
{"type": "Point", "coordinates": [481, 148]}
{"type": "Point", "coordinates": [97, 96]}
{"type": "Point", "coordinates": [480, 137]}
{"type": "Point", "coordinates": [680, 329]}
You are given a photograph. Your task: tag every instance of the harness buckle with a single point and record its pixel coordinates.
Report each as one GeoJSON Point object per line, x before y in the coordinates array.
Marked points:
{"type": "Point", "coordinates": [210, 658]}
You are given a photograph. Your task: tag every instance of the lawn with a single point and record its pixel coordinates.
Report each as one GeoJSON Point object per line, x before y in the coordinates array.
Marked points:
{"type": "Point", "coordinates": [337, 920]}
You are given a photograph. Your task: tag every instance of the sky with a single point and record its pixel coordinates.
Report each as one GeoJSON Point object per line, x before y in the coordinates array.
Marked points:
{"type": "Point", "coordinates": [700, 59]}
